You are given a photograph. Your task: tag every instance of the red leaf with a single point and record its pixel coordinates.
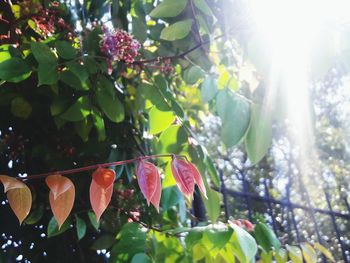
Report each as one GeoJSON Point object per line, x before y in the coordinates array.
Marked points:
{"type": "Point", "coordinates": [156, 196]}
{"type": "Point", "coordinates": [58, 184]}
{"type": "Point", "coordinates": [183, 174]}
{"type": "Point", "coordinates": [18, 195]}
{"type": "Point", "coordinates": [62, 194]}
{"type": "Point", "coordinates": [148, 178]}
{"type": "Point", "coordinates": [101, 190]}
{"type": "Point", "coordinates": [198, 179]}
{"type": "Point", "coordinates": [104, 177]}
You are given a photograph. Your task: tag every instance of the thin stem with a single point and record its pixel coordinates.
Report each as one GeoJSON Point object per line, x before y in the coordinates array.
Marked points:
{"type": "Point", "coordinates": [95, 166]}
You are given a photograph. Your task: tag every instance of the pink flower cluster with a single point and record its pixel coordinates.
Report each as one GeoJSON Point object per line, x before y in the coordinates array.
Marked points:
{"type": "Point", "coordinates": [119, 45]}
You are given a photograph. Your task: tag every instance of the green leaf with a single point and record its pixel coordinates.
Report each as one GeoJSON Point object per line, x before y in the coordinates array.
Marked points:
{"type": "Point", "coordinates": [129, 234]}
{"type": "Point", "coordinates": [141, 258]}
{"type": "Point", "coordinates": [43, 53]}
{"type": "Point", "coordinates": [208, 89]}
{"type": "Point", "coordinates": [234, 112]}
{"type": "Point", "coordinates": [14, 70]}
{"type": "Point", "coordinates": [69, 78]}
{"type": "Point", "coordinates": [203, 6]}
{"type": "Point", "coordinates": [178, 30]}
{"type": "Point", "coordinates": [104, 242]}
{"type": "Point", "coordinates": [4, 53]}
{"type": "Point", "coordinates": [265, 237]}
{"type": "Point", "coordinates": [219, 238]}
{"type": "Point", "coordinates": [83, 128]}
{"type": "Point", "coordinates": [35, 215]}
{"type": "Point", "coordinates": [78, 111]}
{"type": "Point", "coordinates": [91, 65]}
{"type": "Point", "coordinates": [159, 120]}
{"type": "Point", "coordinates": [212, 204]}
{"type": "Point", "coordinates": [259, 136]}
{"type": "Point", "coordinates": [309, 253]}
{"type": "Point", "coordinates": [294, 254]}
{"type": "Point", "coordinates": [52, 227]}
{"type": "Point", "coordinates": [168, 8]}
{"type": "Point", "coordinates": [324, 251]}
{"type": "Point", "coordinates": [139, 29]}
{"type": "Point", "coordinates": [65, 50]}
{"type": "Point", "coordinates": [80, 226]}
{"type": "Point", "coordinates": [21, 108]}
{"type": "Point", "coordinates": [171, 140]}
{"type": "Point", "coordinates": [99, 125]}
{"type": "Point", "coordinates": [193, 74]}
{"type": "Point", "coordinates": [281, 256]}
{"type": "Point", "coordinates": [170, 197]}
{"type": "Point", "coordinates": [266, 257]}
{"type": "Point", "coordinates": [244, 244]}
{"type": "Point", "coordinates": [93, 220]}
{"type": "Point", "coordinates": [111, 106]}
{"type": "Point", "coordinates": [78, 70]}
{"type": "Point", "coordinates": [212, 171]}
{"type": "Point", "coordinates": [47, 74]}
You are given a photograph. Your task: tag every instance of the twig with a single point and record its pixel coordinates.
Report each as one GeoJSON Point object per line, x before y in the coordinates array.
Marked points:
{"type": "Point", "coordinates": [95, 166]}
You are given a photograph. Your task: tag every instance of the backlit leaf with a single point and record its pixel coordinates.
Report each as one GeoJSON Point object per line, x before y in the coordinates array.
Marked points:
{"type": "Point", "coordinates": [294, 254]}
{"type": "Point", "coordinates": [168, 8]}
{"type": "Point", "coordinates": [324, 251]}
{"type": "Point", "coordinates": [160, 120]}
{"type": "Point", "coordinates": [258, 139]}
{"type": "Point", "coordinates": [62, 194]}
{"type": "Point", "coordinates": [18, 195]}
{"type": "Point", "coordinates": [309, 253]}
{"type": "Point", "coordinates": [14, 70]}
{"type": "Point", "coordinates": [198, 179]}
{"type": "Point", "coordinates": [101, 190]}
{"type": "Point", "coordinates": [149, 182]}
{"type": "Point", "coordinates": [183, 175]}
{"type": "Point", "coordinates": [178, 30]}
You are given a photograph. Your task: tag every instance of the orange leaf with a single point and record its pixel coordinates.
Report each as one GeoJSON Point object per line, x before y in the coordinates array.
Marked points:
{"type": "Point", "coordinates": [183, 174]}
{"type": "Point", "coordinates": [10, 182]}
{"type": "Point", "coordinates": [156, 197]}
{"type": "Point", "coordinates": [147, 178]}
{"type": "Point", "coordinates": [18, 195]}
{"type": "Point", "coordinates": [104, 177]}
{"type": "Point", "coordinates": [62, 200]}
{"type": "Point", "coordinates": [100, 198]}
{"type": "Point", "coordinates": [198, 179]}
{"type": "Point", "coordinates": [58, 184]}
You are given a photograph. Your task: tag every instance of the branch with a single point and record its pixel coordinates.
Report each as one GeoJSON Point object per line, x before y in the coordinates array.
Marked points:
{"type": "Point", "coordinates": [95, 166]}
{"type": "Point", "coordinates": [181, 55]}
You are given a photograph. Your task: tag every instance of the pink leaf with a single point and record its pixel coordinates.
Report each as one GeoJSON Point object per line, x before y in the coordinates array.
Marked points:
{"type": "Point", "coordinates": [58, 184]}
{"type": "Point", "coordinates": [198, 179]}
{"type": "Point", "coordinates": [147, 178]}
{"type": "Point", "coordinates": [183, 175]}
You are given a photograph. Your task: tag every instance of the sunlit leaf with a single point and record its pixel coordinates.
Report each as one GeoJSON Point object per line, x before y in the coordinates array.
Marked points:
{"type": "Point", "coordinates": [183, 175]}
{"type": "Point", "coordinates": [324, 251]}
{"type": "Point", "coordinates": [309, 253]}
{"type": "Point", "coordinates": [178, 30]}
{"type": "Point", "coordinates": [62, 194]}
{"type": "Point", "coordinates": [18, 195]}
{"type": "Point", "coordinates": [168, 8]}
{"type": "Point", "coordinates": [198, 179]}
{"type": "Point", "coordinates": [14, 70]}
{"type": "Point", "coordinates": [212, 205]}
{"type": "Point", "coordinates": [294, 254]}
{"type": "Point", "coordinates": [159, 120]}
{"type": "Point", "coordinates": [244, 244]}
{"type": "Point", "coordinates": [101, 190]}
{"type": "Point", "coordinates": [281, 256]}
{"type": "Point", "coordinates": [149, 182]}
{"type": "Point", "coordinates": [258, 139]}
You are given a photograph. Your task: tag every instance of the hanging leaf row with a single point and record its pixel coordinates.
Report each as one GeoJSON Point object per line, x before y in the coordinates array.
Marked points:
{"type": "Point", "coordinates": [62, 190]}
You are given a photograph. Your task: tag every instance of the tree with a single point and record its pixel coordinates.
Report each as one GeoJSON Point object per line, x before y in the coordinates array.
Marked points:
{"type": "Point", "coordinates": [79, 90]}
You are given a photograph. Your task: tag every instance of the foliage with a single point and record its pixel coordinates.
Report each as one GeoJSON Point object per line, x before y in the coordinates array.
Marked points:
{"type": "Point", "coordinates": [101, 94]}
